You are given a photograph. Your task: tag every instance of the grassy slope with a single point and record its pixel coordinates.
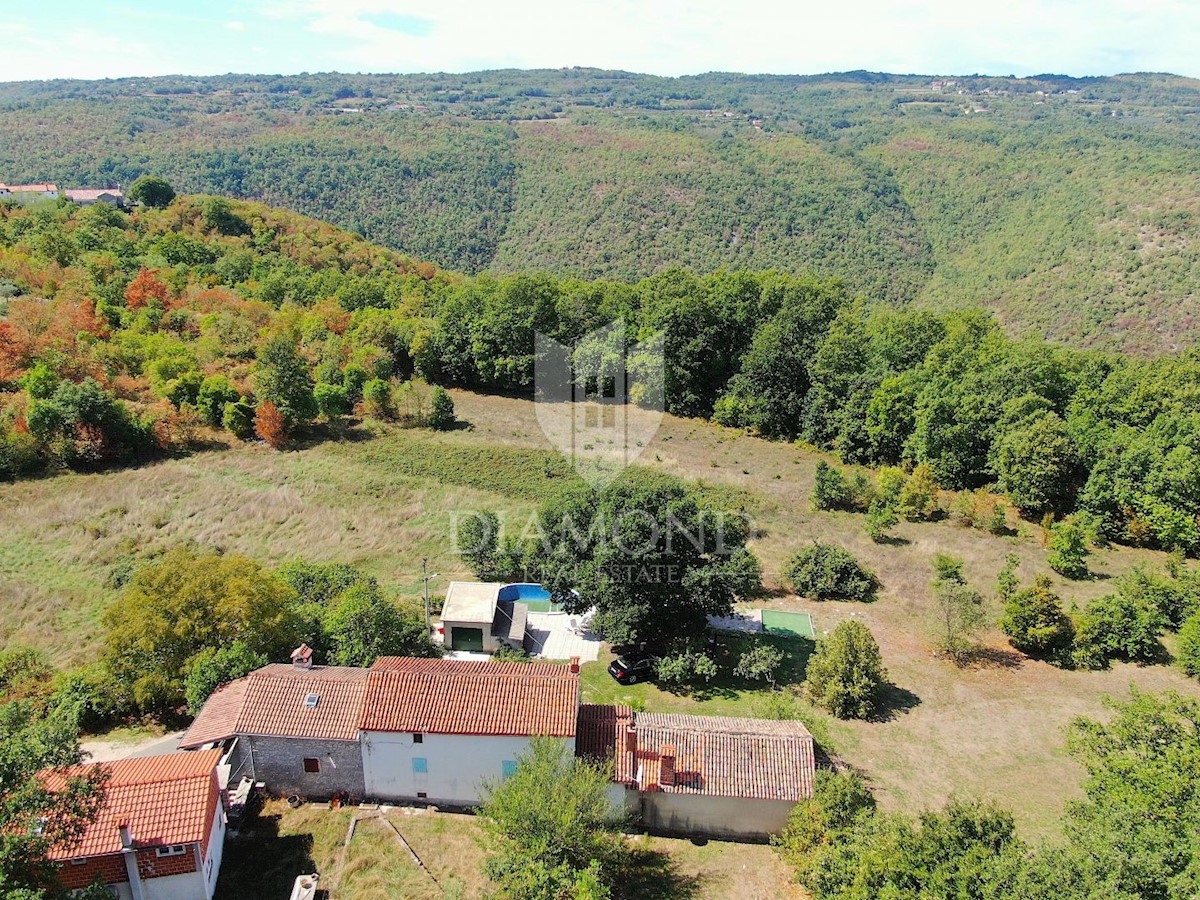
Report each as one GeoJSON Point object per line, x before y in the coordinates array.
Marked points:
{"type": "Point", "coordinates": [994, 730]}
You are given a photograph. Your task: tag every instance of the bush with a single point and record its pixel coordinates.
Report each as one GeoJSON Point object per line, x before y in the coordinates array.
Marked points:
{"type": "Point", "coordinates": [1068, 549]}
{"type": "Point", "coordinates": [830, 490]}
{"type": "Point", "coordinates": [215, 392]}
{"type": "Point", "coordinates": [1036, 623]}
{"type": "Point", "coordinates": [94, 698]}
{"type": "Point", "coordinates": [377, 399]}
{"type": "Point", "coordinates": [1189, 646]}
{"type": "Point", "coordinates": [759, 663]}
{"type": "Point", "coordinates": [918, 498]}
{"type": "Point", "coordinates": [686, 668]}
{"type": "Point", "coordinates": [828, 572]}
{"type": "Point", "coordinates": [441, 410]}
{"type": "Point", "coordinates": [1117, 627]}
{"type": "Point", "coordinates": [838, 802]}
{"type": "Point", "coordinates": [879, 522]}
{"type": "Point", "coordinates": [238, 417]}
{"type": "Point", "coordinates": [332, 401]}
{"type": "Point", "coordinates": [846, 674]}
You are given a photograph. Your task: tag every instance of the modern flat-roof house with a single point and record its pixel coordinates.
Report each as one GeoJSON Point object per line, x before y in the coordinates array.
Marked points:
{"type": "Point", "coordinates": [702, 775]}
{"type": "Point", "coordinates": [160, 833]}
{"type": "Point", "coordinates": [405, 729]}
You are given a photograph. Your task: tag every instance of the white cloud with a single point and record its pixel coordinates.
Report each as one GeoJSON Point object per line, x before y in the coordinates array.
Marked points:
{"type": "Point", "coordinates": [668, 37]}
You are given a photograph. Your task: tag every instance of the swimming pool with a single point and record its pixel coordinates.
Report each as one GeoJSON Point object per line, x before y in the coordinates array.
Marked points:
{"type": "Point", "coordinates": [536, 597]}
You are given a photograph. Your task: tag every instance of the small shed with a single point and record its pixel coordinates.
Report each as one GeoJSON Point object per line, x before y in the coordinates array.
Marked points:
{"type": "Point", "coordinates": [475, 619]}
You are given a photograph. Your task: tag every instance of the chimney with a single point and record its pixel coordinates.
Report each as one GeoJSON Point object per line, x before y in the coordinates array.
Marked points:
{"type": "Point", "coordinates": [631, 738]}
{"type": "Point", "coordinates": [126, 836]}
{"type": "Point", "coordinates": [666, 765]}
{"type": "Point", "coordinates": [574, 665]}
{"type": "Point", "coordinates": [302, 657]}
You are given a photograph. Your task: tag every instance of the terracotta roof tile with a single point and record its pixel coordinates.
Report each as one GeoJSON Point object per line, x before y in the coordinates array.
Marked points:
{"type": "Point", "coordinates": [169, 799]}
{"type": "Point", "coordinates": [727, 757]}
{"type": "Point", "coordinates": [468, 697]}
{"type": "Point", "coordinates": [714, 755]}
{"type": "Point", "coordinates": [272, 701]}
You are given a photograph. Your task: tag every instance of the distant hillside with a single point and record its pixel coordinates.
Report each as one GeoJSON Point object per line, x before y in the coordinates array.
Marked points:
{"type": "Point", "coordinates": [1069, 206]}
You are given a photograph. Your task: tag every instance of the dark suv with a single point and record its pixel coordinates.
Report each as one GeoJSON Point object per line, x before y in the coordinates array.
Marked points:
{"type": "Point", "coordinates": [631, 668]}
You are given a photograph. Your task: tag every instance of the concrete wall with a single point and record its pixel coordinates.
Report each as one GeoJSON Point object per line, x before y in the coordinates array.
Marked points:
{"type": "Point", "coordinates": [211, 867]}
{"type": "Point", "coordinates": [490, 644]}
{"type": "Point", "coordinates": [732, 818]}
{"type": "Point", "coordinates": [280, 763]}
{"type": "Point", "coordinates": [456, 765]}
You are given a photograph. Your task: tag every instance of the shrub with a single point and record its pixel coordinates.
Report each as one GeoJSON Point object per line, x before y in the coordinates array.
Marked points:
{"type": "Point", "coordinates": [269, 425]}
{"type": "Point", "coordinates": [478, 542]}
{"type": "Point", "coordinates": [332, 401]}
{"type": "Point", "coordinates": [828, 572]}
{"type": "Point", "coordinates": [238, 417]}
{"type": "Point", "coordinates": [879, 522]}
{"type": "Point", "coordinates": [1117, 627]}
{"type": "Point", "coordinates": [441, 410]}
{"type": "Point", "coordinates": [830, 490]}
{"type": "Point", "coordinates": [1189, 646]}
{"type": "Point", "coordinates": [958, 615]}
{"type": "Point", "coordinates": [686, 668]}
{"type": "Point", "coordinates": [846, 674]}
{"type": "Point", "coordinates": [838, 802]}
{"type": "Point", "coordinates": [215, 391]}
{"type": "Point", "coordinates": [1068, 549]}
{"type": "Point", "coordinates": [918, 498]}
{"type": "Point", "coordinates": [93, 697]}
{"type": "Point", "coordinates": [759, 663]}
{"type": "Point", "coordinates": [377, 399]}
{"type": "Point", "coordinates": [1035, 621]}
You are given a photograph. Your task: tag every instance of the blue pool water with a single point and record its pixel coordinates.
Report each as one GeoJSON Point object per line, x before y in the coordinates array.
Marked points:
{"type": "Point", "coordinates": [534, 595]}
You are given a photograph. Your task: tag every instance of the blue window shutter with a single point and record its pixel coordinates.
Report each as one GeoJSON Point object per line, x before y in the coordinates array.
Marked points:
{"type": "Point", "coordinates": [420, 765]}
{"type": "Point", "coordinates": [510, 768]}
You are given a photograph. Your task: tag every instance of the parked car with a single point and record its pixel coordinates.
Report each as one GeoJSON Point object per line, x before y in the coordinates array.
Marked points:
{"type": "Point", "coordinates": [630, 669]}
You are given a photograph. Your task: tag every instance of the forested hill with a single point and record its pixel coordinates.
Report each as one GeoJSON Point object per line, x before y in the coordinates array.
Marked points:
{"type": "Point", "coordinates": [1071, 207]}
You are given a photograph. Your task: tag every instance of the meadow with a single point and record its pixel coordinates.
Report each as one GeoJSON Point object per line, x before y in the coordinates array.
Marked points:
{"type": "Point", "coordinates": [384, 498]}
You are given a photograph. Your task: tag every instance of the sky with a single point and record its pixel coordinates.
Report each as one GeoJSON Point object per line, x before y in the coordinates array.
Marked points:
{"type": "Point", "coordinates": [113, 38]}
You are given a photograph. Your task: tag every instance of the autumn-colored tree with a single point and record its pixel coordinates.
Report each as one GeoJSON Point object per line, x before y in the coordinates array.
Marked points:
{"type": "Point", "coordinates": [145, 287]}
{"type": "Point", "coordinates": [269, 424]}
{"type": "Point", "coordinates": [12, 354]}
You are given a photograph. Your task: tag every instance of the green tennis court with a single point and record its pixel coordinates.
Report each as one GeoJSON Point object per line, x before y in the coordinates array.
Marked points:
{"type": "Point", "coordinates": [788, 623]}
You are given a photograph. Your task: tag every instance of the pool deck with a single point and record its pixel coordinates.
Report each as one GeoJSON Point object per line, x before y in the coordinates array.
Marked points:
{"type": "Point", "coordinates": [552, 638]}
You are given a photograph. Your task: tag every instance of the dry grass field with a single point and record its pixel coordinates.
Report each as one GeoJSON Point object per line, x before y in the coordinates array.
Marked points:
{"type": "Point", "coordinates": [383, 500]}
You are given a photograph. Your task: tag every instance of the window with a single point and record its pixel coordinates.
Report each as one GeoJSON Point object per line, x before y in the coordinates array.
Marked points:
{"type": "Point", "coordinates": [312, 765]}
{"type": "Point", "coordinates": [173, 850]}
{"type": "Point", "coordinates": [311, 701]}
{"type": "Point", "coordinates": [420, 765]}
{"type": "Point", "coordinates": [509, 767]}
{"type": "Point", "coordinates": [418, 738]}
{"type": "Point", "coordinates": [421, 795]}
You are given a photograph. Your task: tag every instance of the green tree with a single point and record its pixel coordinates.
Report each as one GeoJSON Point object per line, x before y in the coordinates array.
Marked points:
{"type": "Point", "coordinates": [220, 217]}
{"type": "Point", "coordinates": [759, 663]}
{"type": "Point", "coordinates": [152, 191]}
{"type": "Point", "coordinates": [215, 666]}
{"type": "Point", "coordinates": [1117, 626]}
{"type": "Point", "coordinates": [478, 542]}
{"type": "Point", "coordinates": [1036, 464]}
{"type": "Point", "coordinates": [331, 400]}
{"type": "Point", "coordinates": [839, 802]}
{"type": "Point", "coordinates": [958, 612]}
{"type": "Point", "coordinates": [238, 417]}
{"type": "Point", "coordinates": [282, 378]}
{"type": "Point", "coordinates": [846, 674]}
{"type": "Point", "coordinates": [185, 602]}
{"type": "Point", "coordinates": [1006, 580]}
{"type": "Point", "coordinates": [879, 521]}
{"type": "Point", "coordinates": [38, 813]}
{"type": "Point", "coordinates": [653, 556]}
{"type": "Point", "coordinates": [1069, 548]}
{"type": "Point", "coordinates": [215, 392]}
{"type": "Point", "coordinates": [1188, 655]}
{"type": "Point", "coordinates": [830, 490]}
{"type": "Point", "coordinates": [364, 625]}
{"type": "Point", "coordinates": [441, 410]}
{"type": "Point", "coordinates": [550, 827]}
{"type": "Point", "coordinates": [829, 572]}
{"type": "Point", "coordinates": [918, 498]}
{"type": "Point", "coordinates": [1035, 621]}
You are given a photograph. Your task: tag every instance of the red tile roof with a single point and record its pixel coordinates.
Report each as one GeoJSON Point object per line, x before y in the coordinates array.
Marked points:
{"type": "Point", "coordinates": [164, 800]}
{"type": "Point", "coordinates": [717, 756]}
{"type": "Point", "coordinates": [726, 757]}
{"type": "Point", "coordinates": [468, 697]}
{"type": "Point", "coordinates": [271, 701]}
{"type": "Point", "coordinates": [39, 188]}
